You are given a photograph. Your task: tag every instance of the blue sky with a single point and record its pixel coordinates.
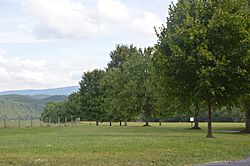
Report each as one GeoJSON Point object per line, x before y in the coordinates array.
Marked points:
{"type": "Point", "coordinates": [50, 43]}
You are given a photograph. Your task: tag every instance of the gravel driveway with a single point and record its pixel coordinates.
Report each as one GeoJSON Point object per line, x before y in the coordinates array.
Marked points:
{"type": "Point", "coordinates": [243, 162]}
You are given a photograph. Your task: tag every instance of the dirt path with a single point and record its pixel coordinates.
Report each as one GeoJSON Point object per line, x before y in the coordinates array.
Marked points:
{"type": "Point", "coordinates": [243, 162]}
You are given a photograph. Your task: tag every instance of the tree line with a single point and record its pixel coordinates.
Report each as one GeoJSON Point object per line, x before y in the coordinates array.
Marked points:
{"type": "Point", "coordinates": [201, 61]}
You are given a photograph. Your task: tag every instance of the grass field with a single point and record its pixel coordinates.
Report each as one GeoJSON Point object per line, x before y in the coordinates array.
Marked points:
{"type": "Point", "coordinates": [170, 144]}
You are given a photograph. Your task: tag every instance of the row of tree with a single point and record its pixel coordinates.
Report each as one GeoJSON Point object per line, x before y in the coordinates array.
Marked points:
{"type": "Point", "coordinates": [201, 61]}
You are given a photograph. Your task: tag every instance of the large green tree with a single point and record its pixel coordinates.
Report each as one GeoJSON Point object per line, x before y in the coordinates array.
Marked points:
{"type": "Point", "coordinates": [129, 83]}
{"type": "Point", "coordinates": [110, 85]}
{"type": "Point", "coordinates": [141, 83]}
{"type": "Point", "coordinates": [91, 96]}
{"type": "Point", "coordinates": [74, 105]}
{"type": "Point", "coordinates": [204, 52]}
{"type": "Point", "coordinates": [117, 82]}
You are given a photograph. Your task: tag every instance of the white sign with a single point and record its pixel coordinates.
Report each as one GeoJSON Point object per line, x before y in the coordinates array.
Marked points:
{"type": "Point", "coordinates": [191, 119]}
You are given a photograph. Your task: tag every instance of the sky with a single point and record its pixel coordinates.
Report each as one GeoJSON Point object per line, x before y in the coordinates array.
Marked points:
{"type": "Point", "coordinates": [51, 43]}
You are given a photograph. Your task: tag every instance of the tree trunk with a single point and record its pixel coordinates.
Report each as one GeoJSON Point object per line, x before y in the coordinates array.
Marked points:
{"type": "Point", "coordinates": [110, 123]}
{"type": "Point", "coordinates": [146, 124]}
{"type": "Point", "coordinates": [247, 121]}
{"type": "Point", "coordinates": [196, 124]}
{"type": "Point", "coordinates": [120, 123]}
{"type": "Point", "coordinates": [196, 121]}
{"type": "Point", "coordinates": [147, 111]}
{"type": "Point", "coordinates": [126, 122]}
{"type": "Point", "coordinates": [96, 123]}
{"type": "Point", "coordinates": [209, 122]}
{"type": "Point", "coordinates": [247, 118]}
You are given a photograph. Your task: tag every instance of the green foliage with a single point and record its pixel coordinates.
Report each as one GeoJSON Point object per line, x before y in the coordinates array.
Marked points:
{"type": "Point", "coordinates": [204, 50]}
{"type": "Point", "coordinates": [120, 55]}
{"type": "Point", "coordinates": [205, 47]}
{"type": "Point", "coordinates": [53, 111]}
{"type": "Point", "coordinates": [12, 106]}
{"type": "Point", "coordinates": [119, 99]}
{"type": "Point", "coordinates": [91, 95]}
{"type": "Point", "coordinates": [111, 87]}
{"type": "Point", "coordinates": [74, 105]}
{"type": "Point", "coordinates": [65, 110]}
{"type": "Point", "coordinates": [140, 74]}
{"type": "Point", "coordinates": [128, 83]}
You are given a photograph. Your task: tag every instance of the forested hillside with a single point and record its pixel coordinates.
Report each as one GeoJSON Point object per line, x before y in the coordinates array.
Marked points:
{"type": "Point", "coordinates": [12, 106]}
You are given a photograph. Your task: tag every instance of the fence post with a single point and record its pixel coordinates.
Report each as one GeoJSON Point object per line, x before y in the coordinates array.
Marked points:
{"type": "Point", "coordinates": [19, 121]}
{"type": "Point", "coordinates": [71, 120]}
{"type": "Point", "coordinates": [58, 121]}
{"type": "Point", "coordinates": [5, 121]}
{"type": "Point", "coordinates": [41, 121]}
{"type": "Point", "coordinates": [65, 121]}
{"type": "Point", "coordinates": [49, 121]}
{"type": "Point", "coordinates": [31, 121]}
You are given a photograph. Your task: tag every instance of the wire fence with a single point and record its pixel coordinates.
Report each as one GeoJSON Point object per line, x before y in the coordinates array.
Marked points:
{"type": "Point", "coordinates": [18, 122]}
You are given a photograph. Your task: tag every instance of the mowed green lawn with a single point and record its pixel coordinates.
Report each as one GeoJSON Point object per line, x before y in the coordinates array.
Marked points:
{"type": "Point", "coordinates": [170, 144]}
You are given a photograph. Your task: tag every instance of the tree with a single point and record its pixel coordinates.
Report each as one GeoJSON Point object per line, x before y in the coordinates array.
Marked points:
{"type": "Point", "coordinates": [118, 82]}
{"type": "Point", "coordinates": [120, 55]}
{"type": "Point", "coordinates": [205, 52]}
{"type": "Point", "coordinates": [91, 95]}
{"type": "Point", "coordinates": [54, 110]}
{"type": "Point", "coordinates": [129, 83]}
{"type": "Point", "coordinates": [74, 105]}
{"type": "Point", "coordinates": [110, 87]}
{"type": "Point", "coordinates": [141, 85]}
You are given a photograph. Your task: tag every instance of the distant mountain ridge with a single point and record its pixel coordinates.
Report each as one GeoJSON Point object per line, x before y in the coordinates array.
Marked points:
{"type": "Point", "coordinates": [53, 91]}
{"type": "Point", "coordinates": [14, 105]}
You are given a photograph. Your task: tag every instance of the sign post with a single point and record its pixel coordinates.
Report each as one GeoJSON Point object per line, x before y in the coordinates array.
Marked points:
{"type": "Point", "coordinates": [191, 120]}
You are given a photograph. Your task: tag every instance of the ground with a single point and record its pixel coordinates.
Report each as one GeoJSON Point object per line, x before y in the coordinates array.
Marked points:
{"type": "Point", "coordinates": [170, 144]}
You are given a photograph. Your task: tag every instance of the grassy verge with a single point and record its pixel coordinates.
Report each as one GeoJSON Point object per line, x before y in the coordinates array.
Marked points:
{"type": "Point", "coordinates": [170, 144]}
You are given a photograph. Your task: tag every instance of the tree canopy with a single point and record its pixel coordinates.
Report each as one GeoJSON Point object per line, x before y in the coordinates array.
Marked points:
{"type": "Point", "coordinates": [205, 49]}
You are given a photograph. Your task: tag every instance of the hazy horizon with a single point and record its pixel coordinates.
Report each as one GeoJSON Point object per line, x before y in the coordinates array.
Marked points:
{"type": "Point", "coordinates": [40, 88]}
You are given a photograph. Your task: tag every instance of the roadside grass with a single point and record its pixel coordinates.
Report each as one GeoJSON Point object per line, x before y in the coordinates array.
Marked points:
{"type": "Point", "coordinates": [170, 144]}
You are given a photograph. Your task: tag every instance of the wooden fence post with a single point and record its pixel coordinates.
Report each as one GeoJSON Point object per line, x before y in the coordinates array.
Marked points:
{"type": "Point", "coordinates": [49, 121]}
{"type": "Point", "coordinates": [31, 121]}
{"type": "Point", "coordinates": [65, 121]}
{"type": "Point", "coordinates": [41, 121]}
{"type": "Point", "coordinates": [72, 120]}
{"type": "Point", "coordinates": [58, 121]}
{"type": "Point", "coordinates": [5, 121]}
{"type": "Point", "coordinates": [19, 121]}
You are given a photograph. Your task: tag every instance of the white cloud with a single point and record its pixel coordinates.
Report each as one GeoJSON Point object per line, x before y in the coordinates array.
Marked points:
{"type": "Point", "coordinates": [124, 19]}
{"type": "Point", "coordinates": [114, 10]}
{"type": "Point", "coordinates": [76, 19]}
{"type": "Point", "coordinates": [61, 19]}
{"type": "Point", "coordinates": [20, 73]}
{"type": "Point", "coordinates": [145, 23]}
